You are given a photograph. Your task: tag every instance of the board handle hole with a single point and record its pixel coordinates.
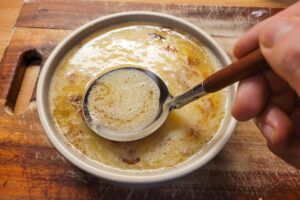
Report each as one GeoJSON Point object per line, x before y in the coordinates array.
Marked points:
{"type": "Point", "coordinates": [23, 86]}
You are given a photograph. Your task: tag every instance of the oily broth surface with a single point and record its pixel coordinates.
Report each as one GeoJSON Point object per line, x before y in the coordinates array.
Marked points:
{"type": "Point", "coordinates": [179, 60]}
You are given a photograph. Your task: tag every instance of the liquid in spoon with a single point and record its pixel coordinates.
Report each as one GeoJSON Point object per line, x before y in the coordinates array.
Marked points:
{"type": "Point", "coordinates": [123, 101]}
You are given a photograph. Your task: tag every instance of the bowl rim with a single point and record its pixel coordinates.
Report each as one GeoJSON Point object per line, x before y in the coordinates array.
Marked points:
{"type": "Point", "coordinates": [125, 178]}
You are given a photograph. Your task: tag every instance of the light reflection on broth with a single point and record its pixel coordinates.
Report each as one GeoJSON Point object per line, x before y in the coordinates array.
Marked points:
{"type": "Point", "coordinates": [178, 59]}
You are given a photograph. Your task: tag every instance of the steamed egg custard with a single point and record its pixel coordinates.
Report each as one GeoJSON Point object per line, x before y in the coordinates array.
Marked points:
{"type": "Point", "coordinates": [123, 101]}
{"type": "Point", "coordinates": [177, 58]}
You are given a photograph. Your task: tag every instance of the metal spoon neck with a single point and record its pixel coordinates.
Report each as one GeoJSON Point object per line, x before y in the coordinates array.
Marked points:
{"type": "Point", "coordinates": [187, 97]}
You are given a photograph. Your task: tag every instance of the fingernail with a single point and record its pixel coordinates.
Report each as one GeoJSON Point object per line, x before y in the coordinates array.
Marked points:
{"type": "Point", "coordinates": [274, 31]}
{"type": "Point", "coordinates": [266, 130]}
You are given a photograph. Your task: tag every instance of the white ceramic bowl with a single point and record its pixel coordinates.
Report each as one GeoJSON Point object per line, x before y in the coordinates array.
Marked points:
{"type": "Point", "coordinates": [203, 157]}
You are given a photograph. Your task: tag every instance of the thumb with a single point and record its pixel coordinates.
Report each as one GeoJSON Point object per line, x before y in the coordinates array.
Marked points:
{"type": "Point", "coordinates": [280, 44]}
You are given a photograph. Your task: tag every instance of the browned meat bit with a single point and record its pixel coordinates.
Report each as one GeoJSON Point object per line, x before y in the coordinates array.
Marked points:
{"type": "Point", "coordinates": [171, 49]}
{"type": "Point", "coordinates": [75, 100]}
{"type": "Point", "coordinates": [131, 161]}
{"type": "Point", "coordinates": [157, 36]}
{"type": "Point", "coordinates": [71, 78]}
{"type": "Point", "coordinates": [192, 61]}
{"type": "Point", "coordinates": [130, 157]}
{"type": "Point", "coordinates": [194, 132]}
{"type": "Point", "coordinates": [166, 28]}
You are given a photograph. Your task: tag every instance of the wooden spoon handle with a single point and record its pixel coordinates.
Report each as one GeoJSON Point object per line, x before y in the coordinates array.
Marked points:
{"type": "Point", "coordinates": [240, 69]}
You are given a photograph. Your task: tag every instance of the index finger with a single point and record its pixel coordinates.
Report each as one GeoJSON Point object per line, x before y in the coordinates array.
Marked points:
{"type": "Point", "coordinates": [249, 41]}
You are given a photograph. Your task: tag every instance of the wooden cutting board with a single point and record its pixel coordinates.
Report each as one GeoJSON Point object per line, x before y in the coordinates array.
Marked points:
{"type": "Point", "coordinates": [30, 167]}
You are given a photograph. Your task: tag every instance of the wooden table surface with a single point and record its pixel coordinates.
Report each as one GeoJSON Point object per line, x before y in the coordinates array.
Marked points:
{"type": "Point", "coordinates": [31, 169]}
{"type": "Point", "coordinates": [9, 10]}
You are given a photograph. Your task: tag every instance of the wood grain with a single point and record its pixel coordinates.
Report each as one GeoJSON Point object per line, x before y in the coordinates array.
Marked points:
{"type": "Point", "coordinates": [30, 168]}
{"type": "Point", "coordinates": [49, 15]}
{"type": "Point", "coordinates": [9, 11]}
{"type": "Point", "coordinates": [244, 3]}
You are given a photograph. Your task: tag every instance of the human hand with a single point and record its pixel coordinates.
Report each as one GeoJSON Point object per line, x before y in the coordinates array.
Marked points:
{"type": "Point", "coordinates": [272, 97]}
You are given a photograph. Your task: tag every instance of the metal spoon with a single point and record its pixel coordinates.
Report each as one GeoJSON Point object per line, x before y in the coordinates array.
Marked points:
{"type": "Point", "coordinates": [242, 68]}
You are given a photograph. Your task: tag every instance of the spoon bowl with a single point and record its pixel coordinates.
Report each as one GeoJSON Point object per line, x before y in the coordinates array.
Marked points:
{"type": "Point", "coordinates": [162, 115]}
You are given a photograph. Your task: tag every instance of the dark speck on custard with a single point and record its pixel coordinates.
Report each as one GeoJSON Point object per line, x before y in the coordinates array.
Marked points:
{"type": "Point", "coordinates": [157, 36]}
